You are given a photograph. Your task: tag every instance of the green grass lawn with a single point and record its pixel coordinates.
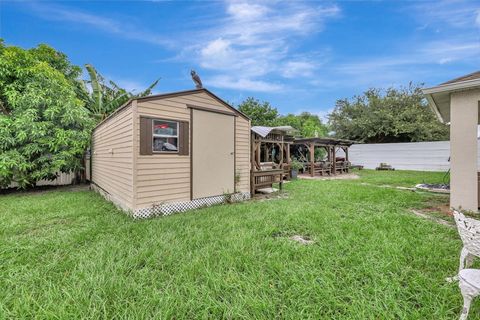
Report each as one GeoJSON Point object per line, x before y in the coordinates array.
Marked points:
{"type": "Point", "coordinates": [68, 255]}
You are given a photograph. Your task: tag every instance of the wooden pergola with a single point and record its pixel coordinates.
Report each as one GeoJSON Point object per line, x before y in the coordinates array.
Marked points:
{"type": "Point", "coordinates": [270, 156]}
{"type": "Point", "coordinates": [304, 150]}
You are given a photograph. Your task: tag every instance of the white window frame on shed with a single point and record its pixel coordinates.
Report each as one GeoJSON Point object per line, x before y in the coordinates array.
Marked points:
{"type": "Point", "coordinates": [177, 136]}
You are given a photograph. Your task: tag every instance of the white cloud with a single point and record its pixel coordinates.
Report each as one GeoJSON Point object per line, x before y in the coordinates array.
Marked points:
{"type": "Point", "coordinates": [255, 41]}
{"type": "Point", "coordinates": [448, 13]}
{"type": "Point", "coordinates": [441, 51]}
{"type": "Point", "coordinates": [246, 11]}
{"type": "Point", "coordinates": [298, 68]}
{"type": "Point", "coordinates": [275, 23]}
{"type": "Point", "coordinates": [216, 47]}
{"type": "Point", "coordinates": [435, 52]}
{"type": "Point", "coordinates": [252, 42]}
{"type": "Point", "coordinates": [221, 55]}
{"type": "Point", "coordinates": [445, 60]}
{"type": "Point", "coordinates": [217, 54]}
{"type": "Point", "coordinates": [446, 36]}
{"type": "Point", "coordinates": [227, 82]}
{"type": "Point", "coordinates": [104, 24]}
{"type": "Point", "coordinates": [412, 65]}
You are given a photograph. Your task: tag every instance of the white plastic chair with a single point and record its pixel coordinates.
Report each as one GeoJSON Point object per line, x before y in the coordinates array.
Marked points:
{"type": "Point", "coordinates": [469, 279]}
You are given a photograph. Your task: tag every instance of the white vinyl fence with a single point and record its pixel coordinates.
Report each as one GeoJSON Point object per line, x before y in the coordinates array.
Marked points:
{"type": "Point", "coordinates": [423, 156]}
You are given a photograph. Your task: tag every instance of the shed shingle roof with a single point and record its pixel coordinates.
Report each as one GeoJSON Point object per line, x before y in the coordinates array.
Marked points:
{"type": "Point", "coordinates": [470, 76]}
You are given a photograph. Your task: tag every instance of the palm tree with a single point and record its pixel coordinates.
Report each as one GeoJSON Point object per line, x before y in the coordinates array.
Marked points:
{"type": "Point", "coordinates": [102, 99]}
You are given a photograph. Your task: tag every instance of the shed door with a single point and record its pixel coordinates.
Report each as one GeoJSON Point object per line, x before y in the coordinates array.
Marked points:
{"type": "Point", "coordinates": [212, 154]}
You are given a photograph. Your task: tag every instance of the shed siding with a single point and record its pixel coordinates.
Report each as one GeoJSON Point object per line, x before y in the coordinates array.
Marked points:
{"type": "Point", "coordinates": [242, 154]}
{"type": "Point", "coordinates": [112, 160]}
{"type": "Point", "coordinates": [164, 178]}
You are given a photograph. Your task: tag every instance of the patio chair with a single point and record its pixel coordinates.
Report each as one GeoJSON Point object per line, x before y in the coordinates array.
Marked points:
{"type": "Point", "coordinates": [469, 279]}
{"type": "Point", "coordinates": [469, 283]}
{"type": "Point", "coordinates": [469, 230]}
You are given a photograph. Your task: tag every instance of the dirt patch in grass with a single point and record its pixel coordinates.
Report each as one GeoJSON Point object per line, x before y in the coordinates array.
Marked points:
{"type": "Point", "coordinates": [270, 196]}
{"type": "Point", "coordinates": [438, 210]}
{"type": "Point", "coordinates": [442, 208]}
{"type": "Point", "coordinates": [431, 216]}
{"type": "Point", "coordinates": [302, 239]}
{"type": "Point", "coordinates": [305, 240]}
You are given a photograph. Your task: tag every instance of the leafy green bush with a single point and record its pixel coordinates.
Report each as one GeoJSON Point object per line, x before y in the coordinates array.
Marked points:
{"type": "Point", "coordinates": [44, 127]}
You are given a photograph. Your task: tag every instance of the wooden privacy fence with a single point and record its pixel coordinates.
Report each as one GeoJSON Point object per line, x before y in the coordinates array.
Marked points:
{"type": "Point", "coordinates": [62, 179]}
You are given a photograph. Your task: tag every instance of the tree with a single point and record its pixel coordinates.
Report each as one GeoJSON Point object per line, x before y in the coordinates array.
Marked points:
{"type": "Point", "coordinates": [60, 62]}
{"type": "Point", "coordinates": [104, 98]}
{"type": "Point", "coordinates": [307, 124]}
{"type": "Point", "coordinates": [264, 114]}
{"type": "Point", "coordinates": [44, 127]}
{"type": "Point", "coordinates": [261, 113]}
{"type": "Point", "coordinates": [394, 115]}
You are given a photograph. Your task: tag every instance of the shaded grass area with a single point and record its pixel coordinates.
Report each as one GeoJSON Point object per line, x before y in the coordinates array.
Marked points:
{"type": "Point", "coordinates": [71, 254]}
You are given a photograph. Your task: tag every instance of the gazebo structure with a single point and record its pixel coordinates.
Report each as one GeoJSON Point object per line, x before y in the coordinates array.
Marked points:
{"type": "Point", "coordinates": [270, 156]}
{"type": "Point", "coordinates": [322, 156]}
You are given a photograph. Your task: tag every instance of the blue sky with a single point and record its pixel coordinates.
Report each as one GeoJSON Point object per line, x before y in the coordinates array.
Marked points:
{"type": "Point", "coordinates": [300, 56]}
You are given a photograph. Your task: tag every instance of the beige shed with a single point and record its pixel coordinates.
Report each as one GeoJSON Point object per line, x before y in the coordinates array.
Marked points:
{"type": "Point", "coordinates": [457, 102]}
{"type": "Point", "coordinates": [172, 152]}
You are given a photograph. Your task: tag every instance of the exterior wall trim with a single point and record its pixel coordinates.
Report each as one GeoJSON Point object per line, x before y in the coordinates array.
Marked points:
{"type": "Point", "coordinates": [191, 154]}
{"type": "Point", "coordinates": [211, 110]}
{"type": "Point", "coordinates": [187, 92]}
{"type": "Point", "coordinates": [234, 154]}
{"type": "Point", "coordinates": [135, 151]}
{"type": "Point", "coordinates": [175, 207]}
{"type": "Point", "coordinates": [462, 85]}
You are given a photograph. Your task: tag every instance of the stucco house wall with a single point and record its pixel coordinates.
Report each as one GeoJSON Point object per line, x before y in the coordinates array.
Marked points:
{"type": "Point", "coordinates": [456, 102]}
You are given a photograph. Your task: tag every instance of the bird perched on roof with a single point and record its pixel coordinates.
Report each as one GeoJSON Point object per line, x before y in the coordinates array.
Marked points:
{"type": "Point", "coordinates": [196, 80]}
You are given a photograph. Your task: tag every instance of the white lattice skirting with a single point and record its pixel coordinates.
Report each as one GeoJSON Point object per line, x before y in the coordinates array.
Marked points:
{"type": "Point", "coordinates": [170, 208]}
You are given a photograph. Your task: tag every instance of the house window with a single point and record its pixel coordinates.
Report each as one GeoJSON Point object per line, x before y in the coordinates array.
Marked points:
{"type": "Point", "coordinates": [165, 136]}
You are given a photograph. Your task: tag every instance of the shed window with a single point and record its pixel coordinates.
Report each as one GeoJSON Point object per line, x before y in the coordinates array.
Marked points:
{"type": "Point", "coordinates": [165, 136]}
